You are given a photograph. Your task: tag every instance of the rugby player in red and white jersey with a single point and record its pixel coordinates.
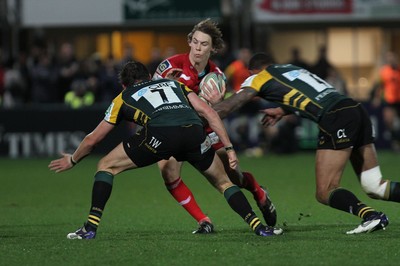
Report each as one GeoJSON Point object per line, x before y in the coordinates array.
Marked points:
{"type": "Point", "coordinates": [204, 40]}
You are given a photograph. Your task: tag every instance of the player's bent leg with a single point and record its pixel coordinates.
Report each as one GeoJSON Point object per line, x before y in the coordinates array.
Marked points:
{"type": "Point", "coordinates": [113, 163]}
{"type": "Point", "coordinates": [372, 183]}
{"type": "Point", "coordinates": [329, 168]}
{"type": "Point", "coordinates": [170, 171]}
{"type": "Point", "coordinates": [116, 161]}
{"type": "Point", "coordinates": [365, 164]}
{"type": "Point", "coordinates": [247, 180]}
{"type": "Point", "coordinates": [216, 175]}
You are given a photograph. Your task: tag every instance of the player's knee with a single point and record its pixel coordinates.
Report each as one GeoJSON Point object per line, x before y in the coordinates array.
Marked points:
{"type": "Point", "coordinates": [104, 165]}
{"type": "Point", "coordinates": [371, 183]}
{"type": "Point", "coordinates": [168, 175]}
{"type": "Point", "coordinates": [169, 172]}
{"type": "Point", "coordinates": [323, 193]}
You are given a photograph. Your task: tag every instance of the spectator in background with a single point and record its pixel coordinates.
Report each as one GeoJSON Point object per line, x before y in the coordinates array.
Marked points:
{"type": "Point", "coordinates": [223, 58]}
{"type": "Point", "coordinates": [68, 67]}
{"type": "Point", "coordinates": [15, 87]}
{"type": "Point", "coordinates": [322, 66]}
{"type": "Point", "coordinates": [79, 96]}
{"type": "Point", "coordinates": [108, 78]}
{"type": "Point", "coordinates": [297, 60]}
{"type": "Point", "coordinates": [89, 70]}
{"type": "Point", "coordinates": [128, 54]}
{"type": "Point", "coordinates": [387, 94]}
{"type": "Point", "coordinates": [244, 126]}
{"type": "Point", "coordinates": [43, 79]}
{"type": "Point", "coordinates": [2, 72]}
{"type": "Point", "coordinates": [169, 51]}
{"type": "Point", "coordinates": [155, 59]}
{"type": "Point", "coordinates": [236, 72]}
{"type": "Point", "coordinates": [335, 79]}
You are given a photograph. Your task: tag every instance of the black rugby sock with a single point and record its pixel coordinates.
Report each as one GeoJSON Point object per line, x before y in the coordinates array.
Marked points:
{"type": "Point", "coordinates": [238, 202]}
{"type": "Point", "coordinates": [394, 193]}
{"type": "Point", "coordinates": [101, 192]}
{"type": "Point", "coordinates": [346, 201]}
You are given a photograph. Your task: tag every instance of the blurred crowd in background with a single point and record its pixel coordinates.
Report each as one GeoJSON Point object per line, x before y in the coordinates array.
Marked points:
{"type": "Point", "coordinates": [42, 77]}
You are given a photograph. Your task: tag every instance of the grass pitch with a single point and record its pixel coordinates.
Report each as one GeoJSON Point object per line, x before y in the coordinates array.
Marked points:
{"type": "Point", "coordinates": [143, 225]}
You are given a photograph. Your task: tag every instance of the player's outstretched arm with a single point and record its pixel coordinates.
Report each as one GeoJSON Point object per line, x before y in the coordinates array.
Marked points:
{"type": "Point", "coordinates": [272, 116]}
{"type": "Point", "coordinates": [235, 101]}
{"type": "Point", "coordinates": [67, 161]}
{"type": "Point", "coordinates": [216, 124]}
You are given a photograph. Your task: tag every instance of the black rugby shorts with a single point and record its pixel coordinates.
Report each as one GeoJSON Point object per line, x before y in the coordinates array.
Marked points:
{"type": "Point", "coordinates": [185, 143]}
{"type": "Point", "coordinates": [346, 125]}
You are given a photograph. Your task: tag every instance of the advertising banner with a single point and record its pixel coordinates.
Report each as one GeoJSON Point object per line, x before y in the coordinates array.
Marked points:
{"type": "Point", "coordinates": [44, 132]}
{"type": "Point", "coordinates": [325, 10]}
{"type": "Point", "coordinates": [170, 10]}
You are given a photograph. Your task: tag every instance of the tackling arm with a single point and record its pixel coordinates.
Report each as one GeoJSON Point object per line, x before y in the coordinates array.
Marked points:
{"type": "Point", "coordinates": [67, 161]}
{"type": "Point", "coordinates": [216, 124]}
{"type": "Point", "coordinates": [234, 102]}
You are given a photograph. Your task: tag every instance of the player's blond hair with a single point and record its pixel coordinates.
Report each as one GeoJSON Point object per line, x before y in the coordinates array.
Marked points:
{"type": "Point", "coordinates": [209, 27]}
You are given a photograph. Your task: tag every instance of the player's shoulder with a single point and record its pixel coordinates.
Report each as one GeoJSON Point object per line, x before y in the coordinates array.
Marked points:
{"type": "Point", "coordinates": [175, 61]}
{"type": "Point", "coordinates": [214, 67]}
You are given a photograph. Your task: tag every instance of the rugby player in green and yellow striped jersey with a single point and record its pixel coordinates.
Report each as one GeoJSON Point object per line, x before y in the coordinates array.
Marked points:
{"type": "Point", "coordinates": [345, 134]}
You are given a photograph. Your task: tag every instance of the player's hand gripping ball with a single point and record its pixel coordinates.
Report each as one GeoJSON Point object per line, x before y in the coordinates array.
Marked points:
{"type": "Point", "coordinates": [212, 88]}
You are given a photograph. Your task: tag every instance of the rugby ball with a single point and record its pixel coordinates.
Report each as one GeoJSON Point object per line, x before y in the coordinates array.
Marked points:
{"type": "Point", "coordinates": [211, 78]}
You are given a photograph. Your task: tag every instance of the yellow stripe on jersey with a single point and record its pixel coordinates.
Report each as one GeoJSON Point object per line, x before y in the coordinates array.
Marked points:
{"type": "Point", "coordinates": [260, 79]}
{"type": "Point", "coordinates": [186, 88]}
{"type": "Point", "coordinates": [304, 104]}
{"type": "Point", "coordinates": [298, 98]}
{"type": "Point", "coordinates": [288, 96]}
{"type": "Point", "coordinates": [140, 116]}
{"type": "Point", "coordinates": [113, 110]}
{"type": "Point", "coordinates": [299, 101]}
{"type": "Point", "coordinates": [136, 115]}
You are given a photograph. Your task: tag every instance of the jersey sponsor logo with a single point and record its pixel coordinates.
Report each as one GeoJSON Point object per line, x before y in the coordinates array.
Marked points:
{"type": "Point", "coordinates": [163, 66]}
{"type": "Point", "coordinates": [323, 94]}
{"type": "Point", "coordinates": [341, 133]}
{"type": "Point", "coordinates": [292, 75]}
{"type": "Point", "coordinates": [342, 137]}
{"type": "Point", "coordinates": [108, 112]}
{"type": "Point", "coordinates": [206, 145]}
{"type": "Point", "coordinates": [213, 137]}
{"type": "Point", "coordinates": [137, 95]}
{"type": "Point", "coordinates": [155, 142]}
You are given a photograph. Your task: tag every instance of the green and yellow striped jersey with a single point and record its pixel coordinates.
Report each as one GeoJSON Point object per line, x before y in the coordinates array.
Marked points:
{"type": "Point", "coordinates": [156, 103]}
{"type": "Point", "coordinates": [295, 89]}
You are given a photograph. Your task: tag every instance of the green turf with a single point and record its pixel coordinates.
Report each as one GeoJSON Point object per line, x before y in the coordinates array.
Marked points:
{"type": "Point", "coordinates": [143, 225]}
